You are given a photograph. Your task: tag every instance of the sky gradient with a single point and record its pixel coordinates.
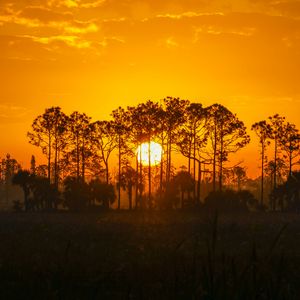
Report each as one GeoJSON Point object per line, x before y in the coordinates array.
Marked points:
{"type": "Point", "coordinates": [94, 55]}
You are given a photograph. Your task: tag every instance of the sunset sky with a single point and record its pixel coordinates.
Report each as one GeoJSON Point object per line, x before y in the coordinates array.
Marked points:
{"type": "Point", "coordinates": [95, 55]}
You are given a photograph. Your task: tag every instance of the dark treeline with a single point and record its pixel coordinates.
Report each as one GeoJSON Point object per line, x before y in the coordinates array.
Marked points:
{"type": "Point", "coordinates": [79, 173]}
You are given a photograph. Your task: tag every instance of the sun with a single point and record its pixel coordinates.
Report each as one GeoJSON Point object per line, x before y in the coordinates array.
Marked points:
{"type": "Point", "coordinates": [155, 154]}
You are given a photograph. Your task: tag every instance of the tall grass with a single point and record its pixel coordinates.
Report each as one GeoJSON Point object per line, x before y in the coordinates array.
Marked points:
{"type": "Point", "coordinates": [137, 263]}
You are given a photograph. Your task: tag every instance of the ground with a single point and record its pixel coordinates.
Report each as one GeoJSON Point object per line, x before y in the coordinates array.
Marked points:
{"type": "Point", "coordinates": [149, 255]}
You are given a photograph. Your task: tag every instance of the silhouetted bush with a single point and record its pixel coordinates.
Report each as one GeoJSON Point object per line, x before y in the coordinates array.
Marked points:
{"type": "Point", "coordinates": [76, 194]}
{"type": "Point", "coordinates": [169, 198]}
{"type": "Point", "coordinates": [102, 193]}
{"type": "Point", "coordinates": [45, 195]}
{"type": "Point", "coordinates": [230, 201]}
{"type": "Point", "coordinates": [24, 180]}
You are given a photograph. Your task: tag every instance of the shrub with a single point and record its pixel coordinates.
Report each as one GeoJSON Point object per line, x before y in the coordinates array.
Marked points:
{"type": "Point", "coordinates": [230, 201]}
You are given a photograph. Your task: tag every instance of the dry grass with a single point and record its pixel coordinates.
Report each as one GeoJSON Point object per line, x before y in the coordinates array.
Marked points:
{"type": "Point", "coordinates": [151, 255]}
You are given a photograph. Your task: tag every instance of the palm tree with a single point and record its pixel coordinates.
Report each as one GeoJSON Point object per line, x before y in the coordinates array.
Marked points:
{"type": "Point", "coordinates": [23, 179]}
{"type": "Point", "coordinates": [185, 182]}
{"type": "Point", "coordinates": [128, 180]}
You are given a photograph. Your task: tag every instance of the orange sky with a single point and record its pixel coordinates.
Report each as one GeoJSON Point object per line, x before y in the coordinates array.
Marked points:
{"type": "Point", "coordinates": [94, 55]}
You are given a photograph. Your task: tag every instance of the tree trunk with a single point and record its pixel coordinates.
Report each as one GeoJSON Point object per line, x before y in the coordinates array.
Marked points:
{"type": "Point", "coordinates": [83, 161]}
{"type": "Point", "coordinates": [170, 157]}
{"type": "Point", "coordinates": [130, 197]}
{"type": "Point", "coordinates": [194, 174]}
{"type": "Point", "coordinates": [49, 158]}
{"type": "Point", "coordinates": [119, 186]}
{"type": "Point", "coordinates": [221, 161]}
{"type": "Point", "coordinates": [161, 171]}
{"type": "Point", "coordinates": [137, 182]}
{"type": "Point", "coordinates": [55, 165]}
{"type": "Point", "coordinates": [275, 165]}
{"type": "Point", "coordinates": [141, 179]}
{"type": "Point", "coordinates": [167, 162]}
{"type": "Point", "coordinates": [106, 172]}
{"type": "Point", "coordinates": [290, 160]}
{"type": "Point", "coordinates": [199, 183]}
{"type": "Point", "coordinates": [262, 175]}
{"type": "Point", "coordinates": [215, 158]}
{"type": "Point", "coordinates": [77, 158]}
{"type": "Point", "coordinates": [149, 173]}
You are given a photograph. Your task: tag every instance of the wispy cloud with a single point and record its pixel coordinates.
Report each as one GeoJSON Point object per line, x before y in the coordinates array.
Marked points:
{"type": "Point", "coordinates": [10, 113]}
{"type": "Point", "coordinates": [70, 40]}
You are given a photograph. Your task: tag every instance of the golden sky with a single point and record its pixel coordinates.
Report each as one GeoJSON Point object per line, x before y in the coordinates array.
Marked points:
{"type": "Point", "coordinates": [94, 55]}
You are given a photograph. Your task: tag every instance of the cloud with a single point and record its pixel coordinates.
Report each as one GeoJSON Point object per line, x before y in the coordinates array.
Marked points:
{"type": "Point", "coordinates": [45, 18]}
{"type": "Point", "coordinates": [44, 15]}
{"type": "Point", "coordinates": [288, 8]}
{"type": "Point", "coordinates": [10, 113]}
{"type": "Point", "coordinates": [95, 4]}
{"type": "Point", "coordinates": [63, 3]}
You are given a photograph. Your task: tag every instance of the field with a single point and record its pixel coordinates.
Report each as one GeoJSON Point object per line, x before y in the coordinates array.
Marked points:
{"type": "Point", "coordinates": [149, 255]}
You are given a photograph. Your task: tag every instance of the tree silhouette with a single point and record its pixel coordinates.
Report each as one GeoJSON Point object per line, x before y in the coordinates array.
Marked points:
{"type": "Point", "coordinates": [48, 133]}
{"type": "Point", "coordinates": [240, 175]}
{"type": "Point", "coordinates": [24, 180]}
{"type": "Point", "coordinates": [121, 124]}
{"type": "Point", "coordinates": [227, 134]}
{"type": "Point", "coordinates": [145, 117]}
{"type": "Point", "coordinates": [105, 142]}
{"type": "Point", "coordinates": [192, 139]}
{"type": "Point", "coordinates": [290, 144]}
{"type": "Point", "coordinates": [185, 182]}
{"type": "Point", "coordinates": [102, 192]}
{"type": "Point", "coordinates": [277, 125]}
{"type": "Point", "coordinates": [76, 194]}
{"type": "Point", "coordinates": [79, 144]}
{"type": "Point", "coordinates": [32, 165]}
{"type": "Point", "coordinates": [128, 180]}
{"type": "Point", "coordinates": [264, 133]}
{"type": "Point", "coordinates": [175, 116]}
{"type": "Point", "coordinates": [287, 194]}
{"type": "Point", "coordinates": [45, 195]}
{"type": "Point", "coordinates": [9, 167]}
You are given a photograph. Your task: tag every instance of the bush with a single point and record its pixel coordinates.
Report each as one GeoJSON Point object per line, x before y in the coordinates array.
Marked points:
{"type": "Point", "coordinates": [230, 201]}
{"type": "Point", "coordinates": [76, 194]}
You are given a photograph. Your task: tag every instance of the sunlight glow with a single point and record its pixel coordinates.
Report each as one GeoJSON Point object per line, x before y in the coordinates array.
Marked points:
{"type": "Point", "coordinates": [155, 153]}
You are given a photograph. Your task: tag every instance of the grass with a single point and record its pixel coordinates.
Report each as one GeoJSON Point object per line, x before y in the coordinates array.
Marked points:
{"type": "Point", "coordinates": [149, 255]}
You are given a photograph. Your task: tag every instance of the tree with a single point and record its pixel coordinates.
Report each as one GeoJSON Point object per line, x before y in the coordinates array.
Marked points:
{"type": "Point", "coordinates": [128, 180]}
{"type": "Point", "coordinates": [23, 179]}
{"type": "Point", "coordinates": [79, 144]}
{"type": "Point", "coordinates": [32, 165]}
{"type": "Point", "coordinates": [192, 139]}
{"type": "Point", "coordinates": [9, 167]}
{"type": "Point", "coordinates": [264, 133]}
{"type": "Point", "coordinates": [48, 133]}
{"type": "Point", "coordinates": [185, 182]}
{"type": "Point", "coordinates": [174, 117]}
{"type": "Point", "coordinates": [45, 195]}
{"type": "Point", "coordinates": [145, 117]}
{"type": "Point", "coordinates": [105, 142]}
{"type": "Point", "coordinates": [277, 125]}
{"type": "Point", "coordinates": [76, 194]}
{"type": "Point", "coordinates": [121, 130]}
{"type": "Point", "coordinates": [287, 194]}
{"type": "Point", "coordinates": [290, 144]}
{"type": "Point", "coordinates": [227, 134]}
{"type": "Point", "coordinates": [240, 175]}
{"type": "Point", "coordinates": [230, 201]}
{"type": "Point", "coordinates": [102, 192]}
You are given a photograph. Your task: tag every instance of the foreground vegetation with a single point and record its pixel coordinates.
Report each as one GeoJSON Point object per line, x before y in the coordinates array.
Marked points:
{"type": "Point", "coordinates": [149, 255]}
